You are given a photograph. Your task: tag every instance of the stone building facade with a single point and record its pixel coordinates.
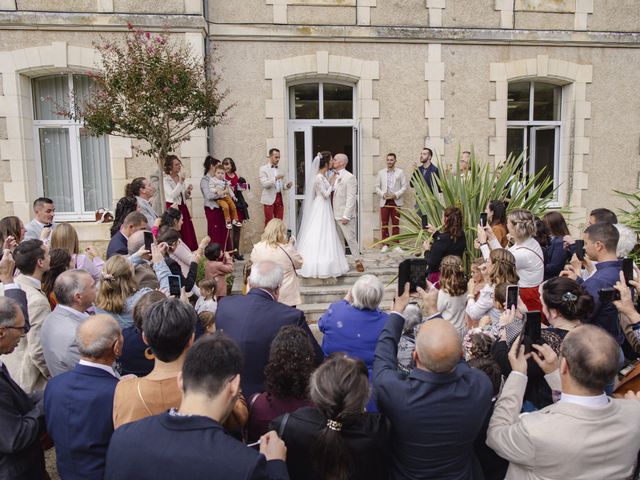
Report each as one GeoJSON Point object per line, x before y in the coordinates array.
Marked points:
{"type": "Point", "coordinates": [366, 77]}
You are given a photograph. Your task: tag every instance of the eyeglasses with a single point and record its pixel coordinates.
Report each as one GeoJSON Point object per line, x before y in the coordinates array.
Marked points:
{"type": "Point", "coordinates": [25, 328]}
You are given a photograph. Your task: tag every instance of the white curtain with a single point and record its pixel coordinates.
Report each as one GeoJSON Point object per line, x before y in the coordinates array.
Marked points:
{"type": "Point", "coordinates": [96, 171]}
{"type": "Point", "coordinates": [56, 167]}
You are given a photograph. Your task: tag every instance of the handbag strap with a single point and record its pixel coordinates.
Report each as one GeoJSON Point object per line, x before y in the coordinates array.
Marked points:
{"type": "Point", "coordinates": [283, 425]}
{"type": "Point", "coordinates": [290, 259]}
{"type": "Point", "coordinates": [532, 251]}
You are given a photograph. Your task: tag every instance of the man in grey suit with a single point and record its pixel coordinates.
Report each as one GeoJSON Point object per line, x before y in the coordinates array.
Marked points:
{"type": "Point", "coordinates": [75, 291]}
{"type": "Point", "coordinates": [43, 212]}
{"type": "Point", "coordinates": [586, 435]}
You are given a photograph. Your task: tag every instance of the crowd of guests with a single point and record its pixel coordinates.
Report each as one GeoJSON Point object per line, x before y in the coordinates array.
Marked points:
{"type": "Point", "coordinates": [129, 379]}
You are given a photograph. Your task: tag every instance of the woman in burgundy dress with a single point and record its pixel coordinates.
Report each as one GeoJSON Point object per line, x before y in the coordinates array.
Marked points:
{"type": "Point", "coordinates": [216, 228]}
{"type": "Point", "coordinates": [176, 194]}
{"type": "Point", "coordinates": [242, 207]}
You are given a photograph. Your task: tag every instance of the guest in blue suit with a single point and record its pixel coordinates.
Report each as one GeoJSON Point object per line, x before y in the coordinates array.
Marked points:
{"type": "Point", "coordinates": [253, 321]}
{"type": "Point", "coordinates": [437, 411]}
{"type": "Point", "coordinates": [118, 245]}
{"type": "Point", "coordinates": [190, 442]}
{"type": "Point", "coordinates": [78, 404]}
{"type": "Point", "coordinates": [353, 325]}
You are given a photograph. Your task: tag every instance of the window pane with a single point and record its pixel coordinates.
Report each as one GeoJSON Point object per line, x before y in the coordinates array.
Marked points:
{"type": "Point", "coordinates": [304, 101]}
{"type": "Point", "coordinates": [545, 152]}
{"type": "Point", "coordinates": [338, 100]}
{"type": "Point", "coordinates": [518, 103]}
{"type": "Point", "coordinates": [96, 171]}
{"type": "Point", "coordinates": [515, 142]}
{"type": "Point", "coordinates": [48, 93]}
{"type": "Point", "coordinates": [546, 102]}
{"type": "Point", "coordinates": [298, 138]}
{"type": "Point", "coordinates": [82, 85]}
{"type": "Point", "coordinates": [56, 167]}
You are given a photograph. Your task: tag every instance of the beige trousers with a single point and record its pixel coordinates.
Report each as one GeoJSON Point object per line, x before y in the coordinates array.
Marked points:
{"type": "Point", "coordinates": [348, 232]}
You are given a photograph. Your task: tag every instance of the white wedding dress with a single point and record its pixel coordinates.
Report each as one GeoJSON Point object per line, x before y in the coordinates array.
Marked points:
{"type": "Point", "coordinates": [318, 241]}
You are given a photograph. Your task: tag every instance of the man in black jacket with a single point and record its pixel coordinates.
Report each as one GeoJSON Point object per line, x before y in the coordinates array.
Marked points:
{"type": "Point", "coordinates": [253, 321]}
{"type": "Point", "coordinates": [439, 409]}
{"type": "Point", "coordinates": [21, 415]}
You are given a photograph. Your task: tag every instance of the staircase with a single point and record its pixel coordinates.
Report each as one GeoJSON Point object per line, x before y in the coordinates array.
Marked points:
{"type": "Point", "coordinates": [318, 293]}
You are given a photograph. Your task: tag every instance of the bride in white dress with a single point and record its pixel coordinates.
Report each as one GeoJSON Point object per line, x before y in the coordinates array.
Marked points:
{"type": "Point", "coordinates": [318, 241]}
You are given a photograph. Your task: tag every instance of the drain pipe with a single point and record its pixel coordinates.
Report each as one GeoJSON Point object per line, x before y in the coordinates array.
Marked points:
{"type": "Point", "coordinates": [207, 72]}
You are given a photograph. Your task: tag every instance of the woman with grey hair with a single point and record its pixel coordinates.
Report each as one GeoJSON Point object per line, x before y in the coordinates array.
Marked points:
{"type": "Point", "coordinates": [407, 344]}
{"type": "Point", "coordinates": [353, 324]}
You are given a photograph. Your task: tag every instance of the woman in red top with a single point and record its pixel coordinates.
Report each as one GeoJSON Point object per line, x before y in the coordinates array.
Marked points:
{"type": "Point", "coordinates": [243, 212]}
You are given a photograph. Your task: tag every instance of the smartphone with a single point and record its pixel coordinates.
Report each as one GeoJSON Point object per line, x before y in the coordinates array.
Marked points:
{"type": "Point", "coordinates": [414, 271]}
{"type": "Point", "coordinates": [512, 296]}
{"type": "Point", "coordinates": [288, 234]}
{"type": "Point", "coordinates": [520, 339]}
{"type": "Point", "coordinates": [174, 285]}
{"type": "Point", "coordinates": [580, 249]}
{"type": "Point", "coordinates": [627, 270]}
{"type": "Point", "coordinates": [483, 219]}
{"type": "Point", "coordinates": [608, 294]}
{"type": "Point", "coordinates": [425, 222]}
{"type": "Point", "coordinates": [148, 240]}
{"type": "Point", "coordinates": [533, 326]}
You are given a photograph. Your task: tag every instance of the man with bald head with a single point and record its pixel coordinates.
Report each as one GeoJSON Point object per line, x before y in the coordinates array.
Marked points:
{"type": "Point", "coordinates": [75, 291]}
{"type": "Point", "coordinates": [78, 404]}
{"type": "Point", "coordinates": [586, 434]}
{"type": "Point", "coordinates": [345, 210]}
{"type": "Point", "coordinates": [436, 411]}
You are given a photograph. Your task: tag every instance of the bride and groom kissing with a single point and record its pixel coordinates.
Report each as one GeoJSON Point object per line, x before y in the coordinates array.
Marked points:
{"type": "Point", "coordinates": [328, 218]}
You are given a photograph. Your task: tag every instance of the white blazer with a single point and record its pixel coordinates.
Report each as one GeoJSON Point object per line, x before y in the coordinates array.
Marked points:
{"type": "Point", "coordinates": [268, 181]}
{"type": "Point", "coordinates": [345, 196]}
{"type": "Point", "coordinates": [399, 185]}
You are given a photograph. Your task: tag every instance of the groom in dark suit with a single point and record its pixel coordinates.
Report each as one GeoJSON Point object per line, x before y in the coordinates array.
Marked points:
{"type": "Point", "coordinates": [253, 321]}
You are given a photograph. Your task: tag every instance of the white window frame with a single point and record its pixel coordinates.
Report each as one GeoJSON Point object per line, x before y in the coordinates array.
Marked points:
{"type": "Point", "coordinates": [79, 213]}
{"type": "Point", "coordinates": [529, 140]}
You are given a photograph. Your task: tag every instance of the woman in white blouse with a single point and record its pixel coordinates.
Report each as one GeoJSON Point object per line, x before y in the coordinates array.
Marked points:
{"type": "Point", "coordinates": [527, 252]}
{"type": "Point", "coordinates": [176, 194]}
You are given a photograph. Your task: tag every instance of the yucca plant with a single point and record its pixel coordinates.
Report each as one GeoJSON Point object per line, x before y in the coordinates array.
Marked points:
{"type": "Point", "coordinates": [631, 217]}
{"type": "Point", "coordinates": [471, 193]}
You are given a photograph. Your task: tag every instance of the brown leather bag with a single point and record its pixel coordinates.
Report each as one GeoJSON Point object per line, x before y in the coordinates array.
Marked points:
{"type": "Point", "coordinates": [629, 383]}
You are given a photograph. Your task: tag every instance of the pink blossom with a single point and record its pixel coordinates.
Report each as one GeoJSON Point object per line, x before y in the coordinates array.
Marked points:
{"type": "Point", "coordinates": [175, 79]}
{"type": "Point", "coordinates": [165, 89]}
{"type": "Point", "coordinates": [147, 34]}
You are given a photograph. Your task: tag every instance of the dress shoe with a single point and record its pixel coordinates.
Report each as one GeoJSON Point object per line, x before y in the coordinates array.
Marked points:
{"type": "Point", "coordinates": [237, 256]}
{"type": "Point", "coordinates": [384, 248]}
{"type": "Point", "coordinates": [359, 266]}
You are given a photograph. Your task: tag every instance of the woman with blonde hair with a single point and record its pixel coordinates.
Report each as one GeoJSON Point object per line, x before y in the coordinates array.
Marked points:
{"type": "Point", "coordinates": [500, 268]}
{"type": "Point", "coordinates": [119, 292]}
{"type": "Point", "coordinates": [274, 247]}
{"type": "Point", "coordinates": [65, 236]}
{"type": "Point", "coordinates": [527, 252]}
{"type": "Point", "coordinates": [452, 296]}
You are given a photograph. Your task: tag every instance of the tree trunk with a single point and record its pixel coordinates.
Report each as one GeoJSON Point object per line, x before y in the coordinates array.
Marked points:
{"type": "Point", "coordinates": [160, 163]}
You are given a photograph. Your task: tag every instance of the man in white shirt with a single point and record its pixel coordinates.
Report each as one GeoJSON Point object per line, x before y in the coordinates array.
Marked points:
{"type": "Point", "coordinates": [390, 187]}
{"type": "Point", "coordinates": [44, 211]}
{"type": "Point", "coordinates": [75, 292]}
{"type": "Point", "coordinates": [273, 184]}
{"type": "Point", "coordinates": [586, 434]}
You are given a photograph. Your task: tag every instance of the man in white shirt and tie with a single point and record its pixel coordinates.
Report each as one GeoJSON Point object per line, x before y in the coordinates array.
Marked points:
{"type": "Point", "coordinates": [390, 187]}
{"type": "Point", "coordinates": [42, 225]}
{"type": "Point", "coordinates": [273, 185]}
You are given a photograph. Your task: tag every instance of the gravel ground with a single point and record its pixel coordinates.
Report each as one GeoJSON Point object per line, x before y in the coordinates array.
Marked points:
{"type": "Point", "coordinates": [50, 461]}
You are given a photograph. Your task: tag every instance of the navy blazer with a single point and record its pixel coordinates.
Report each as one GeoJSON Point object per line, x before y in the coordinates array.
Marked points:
{"type": "Point", "coordinates": [78, 407]}
{"type": "Point", "coordinates": [253, 321]}
{"type": "Point", "coordinates": [435, 417]}
{"type": "Point", "coordinates": [118, 245]}
{"type": "Point", "coordinates": [190, 447]}
{"type": "Point", "coordinates": [21, 423]}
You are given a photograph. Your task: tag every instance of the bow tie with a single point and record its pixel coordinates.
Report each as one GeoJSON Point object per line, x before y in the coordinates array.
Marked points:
{"type": "Point", "coordinates": [274, 166]}
{"type": "Point", "coordinates": [47, 225]}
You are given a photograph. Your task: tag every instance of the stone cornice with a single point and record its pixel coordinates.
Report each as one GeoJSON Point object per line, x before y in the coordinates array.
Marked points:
{"type": "Point", "coordinates": [99, 21]}
{"type": "Point", "coordinates": [391, 34]}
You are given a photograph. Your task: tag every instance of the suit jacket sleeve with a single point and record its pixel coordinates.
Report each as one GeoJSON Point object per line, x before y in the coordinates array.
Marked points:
{"type": "Point", "coordinates": [18, 296]}
{"type": "Point", "coordinates": [627, 327]}
{"type": "Point", "coordinates": [319, 355]}
{"type": "Point", "coordinates": [162, 272]}
{"type": "Point", "coordinates": [350, 204]}
{"type": "Point", "coordinates": [37, 314]}
{"type": "Point", "coordinates": [380, 187]}
{"type": "Point", "coordinates": [265, 179]}
{"type": "Point", "coordinates": [508, 435]}
{"type": "Point", "coordinates": [385, 372]}
{"type": "Point", "coordinates": [17, 431]}
{"type": "Point", "coordinates": [273, 469]}
{"type": "Point", "coordinates": [403, 184]}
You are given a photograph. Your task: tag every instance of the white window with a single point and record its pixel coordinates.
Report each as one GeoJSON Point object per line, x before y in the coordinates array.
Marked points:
{"type": "Point", "coordinates": [533, 125]}
{"type": "Point", "coordinates": [73, 166]}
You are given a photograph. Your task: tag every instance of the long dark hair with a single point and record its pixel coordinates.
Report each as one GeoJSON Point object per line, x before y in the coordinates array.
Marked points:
{"type": "Point", "coordinates": [499, 212]}
{"type": "Point", "coordinates": [209, 161]}
{"type": "Point", "coordinates": [10, 227]}
{"type": "Point", "coordinates": [133, 189]}
{"type": "Point", "coordinates": [60, 260]}
{"type": "Point", "coordinates": [452, 222]}
{"type": "Point", "coordinates": [339, 389]}
{"type": "Point", "coordinates": [567, 297]}
{"type": "Point", "coordinates": [170, 217]}
{"type": "Point", "coordinates": [556, 224]}
{"type": "Point", "coordinates": [124, 207]}
{"type": "Point", "coordinates": [168, 163]}
{"type": "Point", "coordinates": [230, 161]}
{"type": "Point", "coordinates": [290, 364]}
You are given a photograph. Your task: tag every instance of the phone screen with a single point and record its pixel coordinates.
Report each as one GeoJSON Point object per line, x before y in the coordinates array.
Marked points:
{"type": "Point", "coordinates": [288, 234]}
{"type": "Point", "coordinates": [414, 271]}
{"type": "Point", "coordinates": [174, 285]}
{"type": "Point", "coordinates": [627, 269]}
{"type": "Point", "coordinates": [533, 326]}
{"type": "Point", "coordinates": [148, 240]}
{"type": "Point", "coordinates": [580, 249]}
{"type": "Point", "coordinates": [483, 219]}
{"type": "Point", "coordinates": [512, 296]}
{"type": "Point", "coordinates": [425, 221]}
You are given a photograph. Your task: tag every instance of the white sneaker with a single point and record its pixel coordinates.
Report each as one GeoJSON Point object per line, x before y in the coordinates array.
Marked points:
{"type": "Point", "coordinates": [397, 249]}
{"type": "Point", "coordinates": [384, 248]}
